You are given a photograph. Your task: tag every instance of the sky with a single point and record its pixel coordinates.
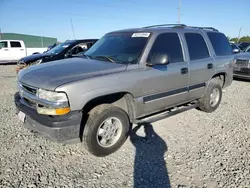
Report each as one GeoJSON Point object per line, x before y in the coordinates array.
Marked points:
{"type": "Point", "coordinates": [94, 18]}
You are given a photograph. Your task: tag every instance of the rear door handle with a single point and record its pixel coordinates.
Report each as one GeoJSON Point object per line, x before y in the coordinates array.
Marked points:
{"type": "Point", "coordinates": [22, 49]}
{"type": "Point", "coordinates": [210, 66]}
{"type": "Point", "coordinates": [6, 50]}
{"type": "Point", "coordinates": [184, 70]}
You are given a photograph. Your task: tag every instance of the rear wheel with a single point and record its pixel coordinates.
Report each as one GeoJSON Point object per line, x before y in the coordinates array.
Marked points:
{"type": "Point", "coordinates": [106, 129]}
{"type": "Point", "coordinates": [212, 98]}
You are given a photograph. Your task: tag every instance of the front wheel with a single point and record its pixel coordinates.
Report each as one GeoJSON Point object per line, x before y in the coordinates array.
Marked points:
{"type": "Point", "coordinates": [106, 129]}
{"type": "Point", "coordinates": [212, 98]}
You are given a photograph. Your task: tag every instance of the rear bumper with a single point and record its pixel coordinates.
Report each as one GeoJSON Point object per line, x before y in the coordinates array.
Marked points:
{"type": "Point", "coordinates": [64, 129]}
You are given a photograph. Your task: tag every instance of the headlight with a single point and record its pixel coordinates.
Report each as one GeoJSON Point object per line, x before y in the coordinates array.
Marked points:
{"type": "Point", "coordinates": [52, 96]}
{"type": "Point", "coordinates": [59, 98]}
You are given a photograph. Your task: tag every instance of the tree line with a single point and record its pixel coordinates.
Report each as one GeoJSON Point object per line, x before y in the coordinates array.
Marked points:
{"type": "Point", "coordinates": [242, 39]}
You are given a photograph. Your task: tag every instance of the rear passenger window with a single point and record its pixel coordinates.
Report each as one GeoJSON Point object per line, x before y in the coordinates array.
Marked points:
{"type": "Point", "coordinates": [15, 44]}
{"type": "Point", "coordinates": [169, 44]}
{"type": "Point", "coordinates": [196, 46]}
{"type": "Point", "coordinates": [220, 44]}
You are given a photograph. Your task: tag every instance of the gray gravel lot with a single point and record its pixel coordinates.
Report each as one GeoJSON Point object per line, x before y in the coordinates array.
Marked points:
{"type": "Point", "coordinates": [192, 149]}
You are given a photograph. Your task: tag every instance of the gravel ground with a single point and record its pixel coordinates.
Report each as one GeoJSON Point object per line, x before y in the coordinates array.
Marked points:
{"type": "Point", "coordinates": [192, 149]}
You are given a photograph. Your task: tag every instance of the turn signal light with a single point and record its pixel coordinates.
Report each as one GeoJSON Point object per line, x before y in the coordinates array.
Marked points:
{"type": "Point", "coordinates": [54, 112]}
{"type": "Point", "coordinates": [62, 111]}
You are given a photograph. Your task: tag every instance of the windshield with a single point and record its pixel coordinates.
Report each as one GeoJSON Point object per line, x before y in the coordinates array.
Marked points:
{"type": "Point", "coordinates": [233, 46]}
{"type": "Point", "coordinates": [121, 47]}
{"type": "Point", "coordinates": [59, 48]}
{"type": "Point", "coordinates": [244, 45]}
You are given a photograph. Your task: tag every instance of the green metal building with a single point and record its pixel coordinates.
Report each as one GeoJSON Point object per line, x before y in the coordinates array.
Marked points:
{"type": "Point", "coordinates": [30, 41]}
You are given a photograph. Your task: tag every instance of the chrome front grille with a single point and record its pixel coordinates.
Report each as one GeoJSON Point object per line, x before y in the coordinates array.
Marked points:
{"type": "Point", "coordinates": [29, 97]}
{"type": "Point", "coordinates": [29, 89]}
{"type": "Point", "coordinates": [27, 93]}
{"type": "Point", "coordinates": [242, 62]}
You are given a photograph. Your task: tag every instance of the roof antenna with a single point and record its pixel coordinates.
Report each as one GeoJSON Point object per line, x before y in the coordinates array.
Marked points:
{"type": "Point", "coordinates": [179, 12]}
{"type": "Point", "coordinates": [72, 28]}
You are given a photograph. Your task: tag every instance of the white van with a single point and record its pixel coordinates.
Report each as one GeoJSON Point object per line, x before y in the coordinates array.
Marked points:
{"type": "Point", "coordinates": [13, 50]}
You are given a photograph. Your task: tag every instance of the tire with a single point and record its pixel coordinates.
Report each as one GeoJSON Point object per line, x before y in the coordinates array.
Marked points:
{"type": "Point", "coordinates": [205, 104]}
{"type": "Point", "coordinates": [94, 125]}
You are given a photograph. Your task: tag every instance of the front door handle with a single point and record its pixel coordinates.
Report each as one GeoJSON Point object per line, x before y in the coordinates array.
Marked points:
{"type": "Point", "coordinates": [6, 50]}
{"type": "Point", "coordinates": [210, 66]}
{"type": "Point", "coordinates": [184, 70]}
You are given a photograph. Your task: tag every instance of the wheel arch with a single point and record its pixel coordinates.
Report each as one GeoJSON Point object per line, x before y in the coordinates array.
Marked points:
{"type": "Point", "coordinates": [123, 100]}
{"type": "Point", "coordinates": [222, 77]}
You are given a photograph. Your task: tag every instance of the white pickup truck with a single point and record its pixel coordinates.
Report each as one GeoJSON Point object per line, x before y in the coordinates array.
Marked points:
{"type": "Point", "coordinates": [13, 50]}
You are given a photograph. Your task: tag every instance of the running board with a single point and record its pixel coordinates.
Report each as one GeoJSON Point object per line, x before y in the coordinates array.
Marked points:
{"type": "Point", "coordinates": [167, 113]}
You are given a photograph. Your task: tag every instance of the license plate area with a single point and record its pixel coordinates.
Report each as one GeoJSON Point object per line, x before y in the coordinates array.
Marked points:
{"type": "Point", "coordinates": [21, 116]}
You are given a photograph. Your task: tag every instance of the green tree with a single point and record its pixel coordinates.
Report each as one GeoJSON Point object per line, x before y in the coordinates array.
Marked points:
{"type": "Point", "coordinates": [245, 39]}
{"type": "Point", "coordinates": [235, 39]}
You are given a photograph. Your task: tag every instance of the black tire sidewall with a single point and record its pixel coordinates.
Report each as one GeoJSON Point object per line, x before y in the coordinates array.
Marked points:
{"type": "Point", "coordinates": [95, 122]}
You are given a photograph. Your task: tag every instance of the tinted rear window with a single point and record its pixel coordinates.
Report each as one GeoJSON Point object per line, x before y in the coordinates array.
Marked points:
{"type": "Point", "coordinates": [15, 44]}
{"type": "Point", "coordinates": [196, 46]}
{"type": "Point", "coordinates": [220, 44]}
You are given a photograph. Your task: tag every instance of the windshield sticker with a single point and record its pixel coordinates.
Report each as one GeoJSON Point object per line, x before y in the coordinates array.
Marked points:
{"type": "Point", "coordinates": [141, 35]}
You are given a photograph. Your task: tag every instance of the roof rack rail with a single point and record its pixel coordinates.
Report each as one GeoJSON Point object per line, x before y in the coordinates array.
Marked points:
{"type": "Point", "coordinates": [166, 25]}
{"type": "Point", "coordinates": [180, 26]}
{"type": "Point", "coordinates": [208, 28]}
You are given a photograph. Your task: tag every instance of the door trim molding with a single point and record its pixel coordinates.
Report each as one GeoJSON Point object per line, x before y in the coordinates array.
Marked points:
{"type": "Point", "coordinates": [165, 94]}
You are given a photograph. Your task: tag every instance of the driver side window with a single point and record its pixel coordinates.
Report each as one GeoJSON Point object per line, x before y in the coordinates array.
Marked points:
{"type": "Point", "coordinates": [167, 44]}
{"type": "Point", "coordinates": [77, 49]}
{"type": "Point", "coordinates": [3, 44]}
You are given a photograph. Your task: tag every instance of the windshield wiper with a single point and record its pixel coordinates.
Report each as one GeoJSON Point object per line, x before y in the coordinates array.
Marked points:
{"type": "Point", "coordinates": [106, 57]}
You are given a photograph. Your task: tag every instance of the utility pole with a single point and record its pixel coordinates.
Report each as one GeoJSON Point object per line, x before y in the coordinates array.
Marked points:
{"type": "Point", "coordinates": [239, 36]}
{"type": "Point", "coordinates": [72, 28]}
{"type": "Point", "coordinates": [179, 12]}
{"type": "Point", "coordinates": [42, 41]}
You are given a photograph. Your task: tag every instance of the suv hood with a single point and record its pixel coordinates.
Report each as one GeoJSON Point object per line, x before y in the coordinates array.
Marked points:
{"type": "Point", "coordinates": [51, 75]}
{"type": "Point", "coordinates": [243, 55]}
{"type": "Point", "coordinates": [35, 57]}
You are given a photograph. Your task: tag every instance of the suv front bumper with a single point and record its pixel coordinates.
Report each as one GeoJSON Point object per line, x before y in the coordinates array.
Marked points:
{"type": "Point", "coordinates": [242, 73]}
{"type": "Point", "coordinates": [65, 129]}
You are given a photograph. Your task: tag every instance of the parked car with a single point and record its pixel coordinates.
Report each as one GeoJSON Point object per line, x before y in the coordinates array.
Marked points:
{"type": "Point", "coordinates": [242, 65]}
{"type": "Point", "coordinates": [12, 50]}
{"type": "Point", "coordinates": [244, 45]}
{"type": "Point", "coordinates": [247, 49]}
{"type": "Point", "coordinates": [235, 48]}
{"type": "Point", "coordinates": [128, 76]}
{"type": "Point", "coordinates": [61, 51]}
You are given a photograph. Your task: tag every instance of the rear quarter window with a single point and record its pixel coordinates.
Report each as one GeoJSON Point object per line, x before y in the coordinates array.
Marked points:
{"type": "Point", "coordinates": [220, 44]}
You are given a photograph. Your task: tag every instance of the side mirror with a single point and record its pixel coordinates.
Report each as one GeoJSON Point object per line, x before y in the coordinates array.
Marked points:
{"type": "Point", "coordinates": [159, 59]}
{"type": "Point", "coordinates": [235, 51]}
